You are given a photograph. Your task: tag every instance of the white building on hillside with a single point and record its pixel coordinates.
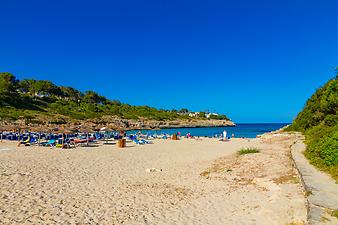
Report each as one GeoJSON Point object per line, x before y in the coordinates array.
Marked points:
{"type": "Point", "coordinates": [194, 114]}
{"type": "Point", "coordinates": [209, 114]}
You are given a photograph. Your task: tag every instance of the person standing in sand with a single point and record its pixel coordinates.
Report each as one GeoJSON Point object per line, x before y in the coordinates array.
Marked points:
{"type": "Point", "coordinates": [224, 134]}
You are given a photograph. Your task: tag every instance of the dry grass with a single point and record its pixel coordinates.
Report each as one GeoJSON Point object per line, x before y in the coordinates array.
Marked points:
{"type": "Point", "coordinates": [290, 177]}
{"type": "Point", "coordinates": [221, 165]}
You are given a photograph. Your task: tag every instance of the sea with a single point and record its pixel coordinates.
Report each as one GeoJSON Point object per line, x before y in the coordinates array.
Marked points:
{"type": "Point", "coordinates": [246, 130]}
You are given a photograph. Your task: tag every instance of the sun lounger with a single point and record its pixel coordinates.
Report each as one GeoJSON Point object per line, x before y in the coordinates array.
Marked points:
{"type": "Point", "coordinates": [146, 141]}
{"type": "Point", "coordinates": [142, 142]}
{"type": "Point", "coordinates": [50, 143]}
{"type": "Point", "coordinates": [138, 142]}
{"type": "Point", "coordinates": [24, 142]}
{"type": "Point", "coordinates": [79, 141]}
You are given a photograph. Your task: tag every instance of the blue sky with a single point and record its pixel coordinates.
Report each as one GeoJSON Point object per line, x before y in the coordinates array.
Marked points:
{"type": "Point", "coordinates": [255, 61]}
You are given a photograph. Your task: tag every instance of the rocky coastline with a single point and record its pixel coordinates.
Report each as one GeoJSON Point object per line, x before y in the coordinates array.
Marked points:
{"type": "Point", "coordinates": [115, 123]}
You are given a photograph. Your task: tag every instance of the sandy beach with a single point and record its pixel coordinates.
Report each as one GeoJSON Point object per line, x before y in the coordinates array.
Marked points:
{"type": "Point", "coordinates": [201, 182]}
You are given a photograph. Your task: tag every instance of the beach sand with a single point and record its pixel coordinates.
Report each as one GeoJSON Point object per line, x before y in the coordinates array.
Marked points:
{"type": "Point", "coordinates": [201, 182]}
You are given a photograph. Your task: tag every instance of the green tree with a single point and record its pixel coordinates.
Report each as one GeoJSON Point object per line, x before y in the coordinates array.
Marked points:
{"type": "Point", "coordinates": [8, 83]}
{"type": "Point", "coordinates": [93, 97]}
{"type": "Point", "coordinates": [45, 87]}
{"type": "Point", "coordinates": [184, 110]}
{"type": "Point", "coordinates": [24, 86]}
{"type": "Point", "coordinates": [28, 86]}
{"type": "Point", "coordinates": [71, 93]}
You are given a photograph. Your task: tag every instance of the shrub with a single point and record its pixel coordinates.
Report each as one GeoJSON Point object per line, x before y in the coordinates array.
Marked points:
{"type": "Point", "coordinates": [319, 122]}
{"type": "Point", "coordinates": [329, 150]}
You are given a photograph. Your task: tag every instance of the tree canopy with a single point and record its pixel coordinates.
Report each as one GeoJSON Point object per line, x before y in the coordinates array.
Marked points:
{"type": "Point", "coordinates": [8, 83]}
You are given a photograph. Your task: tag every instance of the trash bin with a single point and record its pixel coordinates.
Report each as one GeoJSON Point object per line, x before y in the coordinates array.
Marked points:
{"type": "Point", "coordinates": [121, 143]}
{"type": "Point", "coordinates": [174, 137]}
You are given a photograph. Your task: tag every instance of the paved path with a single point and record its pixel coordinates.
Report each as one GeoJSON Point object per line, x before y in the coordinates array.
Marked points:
{"type": "Point", "coordinates": [322, 189]}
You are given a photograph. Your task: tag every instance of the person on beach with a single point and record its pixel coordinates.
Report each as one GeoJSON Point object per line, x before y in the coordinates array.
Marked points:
{"type": "Point", "coordinates": [224, 134]}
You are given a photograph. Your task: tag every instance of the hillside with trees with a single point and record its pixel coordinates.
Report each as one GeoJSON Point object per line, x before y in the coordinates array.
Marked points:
{"type": "Point", "coordinates": [39, 100]}
{"type": "Point", "coordinates": [319, 122]}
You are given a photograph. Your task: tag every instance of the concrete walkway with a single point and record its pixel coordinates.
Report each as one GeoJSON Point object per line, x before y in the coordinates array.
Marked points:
{"type": "Point", "coordinates": [322, 190]}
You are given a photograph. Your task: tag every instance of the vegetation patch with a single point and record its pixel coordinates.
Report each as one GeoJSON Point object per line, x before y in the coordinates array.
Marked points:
{"type": "Point", "coordinates": [335, 213]}
{"type": "Point", "coordinates": [248, 151]}
{"type": "Point", "coordinates": [31, 99]}
{"type": "Point", "coordinates": [319, 122]}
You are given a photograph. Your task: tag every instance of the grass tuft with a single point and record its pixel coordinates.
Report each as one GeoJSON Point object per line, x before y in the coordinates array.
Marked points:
{"type": "Point", "coordinates": [248, 151]}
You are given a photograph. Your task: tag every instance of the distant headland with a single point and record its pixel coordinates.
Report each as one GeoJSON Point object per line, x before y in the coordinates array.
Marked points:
{"type": "Point", "coordinates": [30, 102]}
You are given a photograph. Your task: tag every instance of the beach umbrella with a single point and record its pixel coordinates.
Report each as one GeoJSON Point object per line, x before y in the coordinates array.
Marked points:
{"type": "Point", "coordinates": [87, 130]}
{"type": "Point", "coordinates": [54, 129]}
{"type": "Point", "coordinates": [74, 129]}
{"type": "Point", "coordinates": [64, 130]}
{"type": "Point", "coordinates": [105, 130]}
{"type": "Point", "coordinates": [49, 129]}
{"type": "Point", "coordinates": [39, 130]}
{"type": "Point", "coordinates": [45, 129]}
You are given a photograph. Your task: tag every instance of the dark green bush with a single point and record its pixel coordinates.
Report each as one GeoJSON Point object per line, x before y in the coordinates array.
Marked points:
{"type": "Point", "coordinates": [319, 122]}
{"type": "Point", "coordinates": [329, 150]}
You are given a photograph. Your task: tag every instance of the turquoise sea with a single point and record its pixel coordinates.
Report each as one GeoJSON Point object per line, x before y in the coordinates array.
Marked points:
{"type": "Point", "coordinates": [247, 130]}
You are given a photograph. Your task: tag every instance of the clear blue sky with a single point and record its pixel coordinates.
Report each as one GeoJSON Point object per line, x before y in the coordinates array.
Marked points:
{"type": "Point", "coordinates": [255, 61]}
